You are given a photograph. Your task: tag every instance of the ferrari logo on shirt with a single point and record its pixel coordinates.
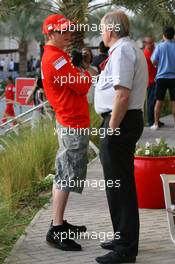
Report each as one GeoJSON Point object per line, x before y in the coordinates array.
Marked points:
{"type": "Point", "coordinates": [59, 63]}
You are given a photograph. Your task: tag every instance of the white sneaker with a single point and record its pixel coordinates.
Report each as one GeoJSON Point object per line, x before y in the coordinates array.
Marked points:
{"type": "Point", "coordinates": [154, 127]}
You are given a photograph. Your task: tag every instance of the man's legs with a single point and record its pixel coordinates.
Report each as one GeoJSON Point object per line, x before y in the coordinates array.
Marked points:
{"type": "Point", "coordinates": [71, 166]}
{"type": "Point", "coordinates": [157, 111]}
{"type": "Point", "coordinates": [172, 96]}
{"type": "Point", "coordinates": [117, 157]}
{"type": "Point", "coordinates": [8, 113]}
{"type": "Point", "coordinates": [161, 87]}
{"type": "Point", "coordinates": [122, 201]}
{"type": "Point", "coordinates": [151, 104]}
{"type": "Point", "coordinates": [60, 199]}
{"type": "Point", "coordinates": [61, 233]}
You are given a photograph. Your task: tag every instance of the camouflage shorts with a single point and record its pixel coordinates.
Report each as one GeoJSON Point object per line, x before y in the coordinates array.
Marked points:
{"type": "Point", "coordinates": [71, 159]}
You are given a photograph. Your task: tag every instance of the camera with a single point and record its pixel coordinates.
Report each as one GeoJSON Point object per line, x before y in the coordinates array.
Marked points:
{"type": "Point", "coordinates": [77, 58]}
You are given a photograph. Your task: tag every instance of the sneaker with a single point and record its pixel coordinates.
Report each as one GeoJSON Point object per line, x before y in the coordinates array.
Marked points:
{"type": "Point", "coordinates": [74, 228]}
{"type": "Point", "coordinates": [77, 230]}
{"type": "Point", "coordinates": [154, 127]}
{"type": "Point", "coordinates": [59, 239]}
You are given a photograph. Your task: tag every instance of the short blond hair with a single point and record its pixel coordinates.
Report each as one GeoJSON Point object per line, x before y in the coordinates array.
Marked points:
{"type": "Point", "coordinates": [117, 18]}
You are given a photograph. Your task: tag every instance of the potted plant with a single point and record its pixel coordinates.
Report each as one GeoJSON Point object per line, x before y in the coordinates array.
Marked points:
{"type": "Point", "coordinates": [151, 160]}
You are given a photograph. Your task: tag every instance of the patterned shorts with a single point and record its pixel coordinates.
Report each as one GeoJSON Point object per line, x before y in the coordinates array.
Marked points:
{"type": "Point", "coordinates": [71, 159]}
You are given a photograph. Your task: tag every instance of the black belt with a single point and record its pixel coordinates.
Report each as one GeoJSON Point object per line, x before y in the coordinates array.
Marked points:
{"type": "Point", "coordinates": [106, 114]}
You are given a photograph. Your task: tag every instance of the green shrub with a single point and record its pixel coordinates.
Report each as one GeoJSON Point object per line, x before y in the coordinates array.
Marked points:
{"type": "Point", "coordinates": [28, 157]}
{"type": "Point", "coordinates": [157, 149]}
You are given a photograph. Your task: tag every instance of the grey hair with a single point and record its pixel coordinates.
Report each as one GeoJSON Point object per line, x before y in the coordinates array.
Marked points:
{"type": "Point", "coordinates": [119, 23]}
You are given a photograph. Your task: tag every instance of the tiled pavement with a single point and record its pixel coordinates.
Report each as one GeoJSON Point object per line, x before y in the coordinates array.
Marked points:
{"type": "Point", "coordinates": [167, 132]}
{"type": "Point", "coordinates": [91, 209]}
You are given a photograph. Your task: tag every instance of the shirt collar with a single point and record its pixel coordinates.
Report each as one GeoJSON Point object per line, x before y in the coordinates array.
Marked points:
{"type": "Point", "coordinates": [118, 43]}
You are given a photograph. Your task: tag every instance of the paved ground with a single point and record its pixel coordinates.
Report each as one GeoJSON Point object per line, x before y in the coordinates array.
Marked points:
{"type": "Point", "coordinates": [91, 209]}
{"type": "Point", "coordinates": [167, 132]}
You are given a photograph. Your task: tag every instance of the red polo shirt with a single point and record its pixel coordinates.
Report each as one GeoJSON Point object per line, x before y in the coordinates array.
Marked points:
{"type": "Point", "coordinates": [151, 69]}
{"type": "Point", "coordinates": [66, 88]}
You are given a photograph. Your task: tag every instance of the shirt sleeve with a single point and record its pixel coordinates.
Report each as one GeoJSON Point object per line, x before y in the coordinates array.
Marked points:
{"type": "Point", "coordinates": [64, 73]}
{"type": "Point", "coordinates": [123, 67]}
{"type": "Point", "coordinates": [155, 55]}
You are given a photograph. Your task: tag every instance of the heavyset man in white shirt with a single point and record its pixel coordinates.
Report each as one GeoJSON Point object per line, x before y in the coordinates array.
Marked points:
{"type": "Point", "coordinates": [119, 98]}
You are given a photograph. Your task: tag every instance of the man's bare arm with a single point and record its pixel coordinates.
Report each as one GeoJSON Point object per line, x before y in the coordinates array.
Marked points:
{"type": "Point", "coordinates": [30, 96]}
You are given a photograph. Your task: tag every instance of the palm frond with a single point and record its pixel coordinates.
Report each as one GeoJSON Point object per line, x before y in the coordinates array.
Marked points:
{"type": "Point", "coordinates": [161, 11]}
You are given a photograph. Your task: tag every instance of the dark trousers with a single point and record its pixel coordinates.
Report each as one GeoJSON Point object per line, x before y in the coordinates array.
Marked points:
{"type": "Point", "coordinates": [151, 100]}
{"type": "Point", "coordinates": [117, 158]}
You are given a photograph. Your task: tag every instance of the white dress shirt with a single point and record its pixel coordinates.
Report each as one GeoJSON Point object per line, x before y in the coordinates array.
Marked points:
{"type": "Point", "coordinates": [126, 67]}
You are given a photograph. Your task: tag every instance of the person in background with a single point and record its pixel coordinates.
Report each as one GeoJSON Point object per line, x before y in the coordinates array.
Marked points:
{"type": "Point", "coordinates": [97, 60]}
{"type": "Point", "coordinates": [151, 91]}
{"type": "Point", "coordinates": [38, 65]}
{"type": "Point", "coordinates": [9, 97]}
{"type": "Point", "coordinates": [37, 96]}
{"type": "Point", "coordinates": [11, 65]}
{"type": "Point", "coordinates": [34, 64]}
{"type": "Point", "coordinates": [30, 63]}
{"type": "Point", "coordinates": [87, 65]}
{"type": "Point", "coordinates": [164, 58]}
{"type": "Point", "coordinates": [87, 61]}
{"type": "Point", "coordinates": [2, 64]}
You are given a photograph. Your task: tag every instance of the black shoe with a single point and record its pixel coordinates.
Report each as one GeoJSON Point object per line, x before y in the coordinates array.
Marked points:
{"type": "Point", "coordinates": [74, 229]}
{"type": "Point", "coordinates": [59, 239]}
{"type": "Point", "coordinates": [114, 257]}
{"type": "Point", "coordinates": [108, 245]}
{"type": "Point", "coordinates": [160, 124]}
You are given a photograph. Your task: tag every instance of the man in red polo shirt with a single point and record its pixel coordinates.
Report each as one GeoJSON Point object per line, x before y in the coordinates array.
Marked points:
{"type": "Point", "coordinates": [66, 88]}
{"type": "Point", "coordinates": [9, 96]}
{"type": "Point", "coordinates": [151, 91]}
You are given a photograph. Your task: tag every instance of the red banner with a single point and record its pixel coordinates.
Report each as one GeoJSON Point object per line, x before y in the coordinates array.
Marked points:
{"type": "Point", "coordinates": [24, 87]}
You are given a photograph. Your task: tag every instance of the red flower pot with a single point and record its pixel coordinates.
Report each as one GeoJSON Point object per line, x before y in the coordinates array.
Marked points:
{"type": "Point", "coordinates": [148, 181]}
